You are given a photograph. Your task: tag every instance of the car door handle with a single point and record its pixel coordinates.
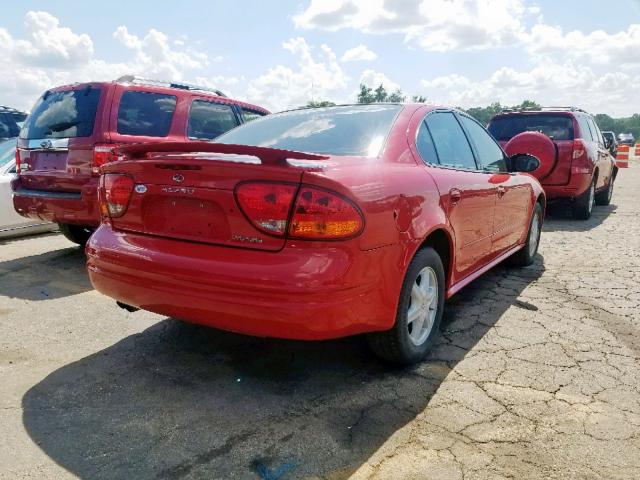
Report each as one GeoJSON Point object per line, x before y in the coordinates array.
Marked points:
{"type": "Point", "coordinates": [501, 192]}
{"type": "Point", "coordinates": [455, 196]}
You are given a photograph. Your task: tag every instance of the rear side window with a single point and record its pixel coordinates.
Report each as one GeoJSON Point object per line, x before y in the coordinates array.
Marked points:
{"type": "Point", "coordinates": [424, 144]}
{"type": "Point", "coordinates": [556, 127]}
{"type": "Point", "coordinates": [207, 120]}
{"type": "Point", "coordinates": [585, 128]}
{"type": "Point", "coordinates": [64, 114]}
{"type": "Point", "coordinates": [595, 131]}
{"type": "Point", "coordinates": [248, 115]}
{"type": "Point", "coordinates": [145, 114]}
{"type": "Point", "coordinates": [450, 141]}
{"type": "Point", "coordinates": [8, 126]}
{"type": "Point", "coordinates": [490, 153]}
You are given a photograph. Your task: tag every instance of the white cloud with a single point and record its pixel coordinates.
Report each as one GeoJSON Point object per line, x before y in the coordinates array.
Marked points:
{"type": "Point", "coordinates": [547, 83]}
{"type": "Point", "coordinates": [359, 53]}
{"type": "Point", "coordinates": [373, 79]}
{"type": "Point", "coordinates": [51, 55]}
{"type": "Point", "coordinates": [436, 25]}
{"type": "Point", "coordinates": [621, 49]}
{"type": "Point", "coordinates": [315, 77]}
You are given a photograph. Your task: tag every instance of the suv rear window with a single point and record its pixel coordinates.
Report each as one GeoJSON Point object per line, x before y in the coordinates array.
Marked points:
{"type": "Point", "coordinates": [207, 120]}
{"type": "Point", "coordinates": [145, 114]}
{"type": "Point", "coordinates": [63, 114]}
{"type": "Point", "coordinates": [556, 127]}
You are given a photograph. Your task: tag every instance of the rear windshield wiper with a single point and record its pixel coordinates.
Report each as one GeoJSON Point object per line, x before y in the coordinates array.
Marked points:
{"type": "Point", "coordinates": [62, 126]}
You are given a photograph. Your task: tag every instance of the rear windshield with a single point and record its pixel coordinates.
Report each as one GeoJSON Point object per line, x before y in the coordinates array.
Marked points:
{"type": "Point", "coordinates": [145, 114]}
{"type": "Point", "coordinates": [8, 126]}
{"type": "Point", "coordinates": [556, 127]}
{"type": "Point", "coordinates": [69, 113]}
{"type": "Point", "coordinates": [349, 130]}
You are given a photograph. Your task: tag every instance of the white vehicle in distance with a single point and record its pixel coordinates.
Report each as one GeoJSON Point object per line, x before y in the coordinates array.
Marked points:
{"type": "Point", "coordinates": [12, 224]}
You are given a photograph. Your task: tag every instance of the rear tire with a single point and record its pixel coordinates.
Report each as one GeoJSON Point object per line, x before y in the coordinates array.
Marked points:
{"type": "Point", "coordinates": [526, 255]}
{"type": "Point", "coordinates": [583, 205]}
{"type": "Point", "coordinates": [76, 233]}
{"type": "Point", "coordinates": [604, 197]}
{"type": "Point", "coordinates": [419, 312]}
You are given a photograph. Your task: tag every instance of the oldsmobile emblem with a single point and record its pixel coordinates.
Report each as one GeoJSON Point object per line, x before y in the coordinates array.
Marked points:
{"type": "Point", "coordinates": [178, 177]}
{"type": "Point", "coordinates": [46, 144]}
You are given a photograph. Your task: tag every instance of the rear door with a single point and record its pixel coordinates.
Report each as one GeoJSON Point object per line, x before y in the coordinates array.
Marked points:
{"type": "Point", "coordinates": [604, 160]}
{"type": "Point", "coordinates": [513, 196]}
{"type": "Point", "coordinates": [209, 119]}
{"type": "Point", "coordinates": [466, 192]}
{"type": "Point", "coordinates": [56, 142]}
{"type": "Point", "coordinates": [139, 114]}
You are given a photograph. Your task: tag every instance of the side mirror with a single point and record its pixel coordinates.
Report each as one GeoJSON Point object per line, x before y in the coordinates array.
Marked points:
{"type": "Point", "coordinates": [523, 162]}
{"type": "Point", "coordinates": [607, 143]}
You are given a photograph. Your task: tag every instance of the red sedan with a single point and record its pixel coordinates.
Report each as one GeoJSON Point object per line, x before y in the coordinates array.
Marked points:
{"type": "Point", "coordinates": [396, 208]}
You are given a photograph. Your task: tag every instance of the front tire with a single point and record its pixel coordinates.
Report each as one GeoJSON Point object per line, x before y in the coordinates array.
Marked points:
{"type": "Point", "coordinates": [76, 233]}
{"type": "Point", "coordinates": [583, 205]}
{"type": "Point", "coordinates": [526, 255]}
{"type": "Point", "coordinates": [419, 312]}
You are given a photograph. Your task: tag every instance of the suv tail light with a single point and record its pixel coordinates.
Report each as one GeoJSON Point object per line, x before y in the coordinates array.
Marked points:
{"type": "Point", "coordinates": [102, 153]}
{"type": "Point", "coordinates": [579, 148]}
{"type": "Point", "coordinates": [317, 214]}
{"type": "Point", "coordinates": [115, 194]}
{"type": "Point", "coordinates": [17, 160]}
{"type": "Point", "coordinates": [580, 162]}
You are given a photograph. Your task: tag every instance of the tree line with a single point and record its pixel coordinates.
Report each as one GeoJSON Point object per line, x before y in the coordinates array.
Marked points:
{"type": "Point", "coordinates": [483, 114]}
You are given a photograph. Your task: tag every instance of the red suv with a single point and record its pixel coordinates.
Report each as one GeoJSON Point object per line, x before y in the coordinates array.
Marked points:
{"type": "Point", "coordinates": [73, 129]}
{"type": "Point", "coordinates": [579, 166]}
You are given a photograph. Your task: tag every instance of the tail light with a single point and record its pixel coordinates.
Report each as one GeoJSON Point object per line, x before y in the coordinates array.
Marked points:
{"type": "Point", "coordinates": [17, 160]}
{"type": "Point", "coordinates": [317, 214]}
{"type": "Point", "coordinates": [102, 153]}
{"type": "Point", "coordinates": [320, 214]}
{"type": "Point", "coordinates": [267, 205]}
{"type": "Point", "coordinates": [579, 148]}
{"type": "Point", "coordinates": [115, 194]}
{"type": "Point", "coordinates": [580, 162]}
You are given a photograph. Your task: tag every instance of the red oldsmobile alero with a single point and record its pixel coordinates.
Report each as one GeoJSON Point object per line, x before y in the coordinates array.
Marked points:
{"type": "Point", "coordinates": [394, 209]}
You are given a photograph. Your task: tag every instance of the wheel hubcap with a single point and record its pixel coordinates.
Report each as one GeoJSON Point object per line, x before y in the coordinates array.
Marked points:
{"type": "Point", "coordinates": [534, 235]}
{"type": "Point", "coordinates": [423, 306]}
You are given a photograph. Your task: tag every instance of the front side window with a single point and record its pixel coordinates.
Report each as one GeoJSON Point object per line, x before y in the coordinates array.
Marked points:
{"type": "Point", "coordinates": [8, 126]}
{"type": "Point", "coordinates": [63, 114]}
{"type": "Point", "coordinates": [208, 120]}
{"type": "Point", "coordinates": [145, 114]}
{"type": "Point", "coordinates": [490, 153]}
{"type": "Point", "coordinates": [350, 130]}
{"type": "Point", "coordinates": [450, 141]}
{"type": "Point", "coordinates": [597, 136]}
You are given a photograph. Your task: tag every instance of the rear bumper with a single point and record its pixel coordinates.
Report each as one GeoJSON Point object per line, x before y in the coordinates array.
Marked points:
{"type": "Point", "coordinates": [577, 185]}
{"type": "Point", "coordinates": [80, 208]}
{"type": "Point", "coordinates": [302, 292]}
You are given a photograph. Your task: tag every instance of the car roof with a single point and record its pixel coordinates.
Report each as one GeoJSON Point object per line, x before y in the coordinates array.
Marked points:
{"type": "Point", "coordinates": [164, 87]}
{"type": "Point", "coordinates": [404, 105]}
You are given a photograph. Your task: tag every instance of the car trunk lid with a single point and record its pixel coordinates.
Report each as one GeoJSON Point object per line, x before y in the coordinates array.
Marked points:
{"type": "Point", "coordinates": [187, 191]}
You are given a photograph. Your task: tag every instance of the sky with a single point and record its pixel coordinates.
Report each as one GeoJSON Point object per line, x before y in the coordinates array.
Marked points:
{"type": "Point", "coordinates": [281, 54]}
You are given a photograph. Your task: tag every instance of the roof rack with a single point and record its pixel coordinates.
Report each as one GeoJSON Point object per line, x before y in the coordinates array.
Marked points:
{"type": "Point", "coordinates": [544, 109]}
{"type": "Point", "coordinates": [164, 83]}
